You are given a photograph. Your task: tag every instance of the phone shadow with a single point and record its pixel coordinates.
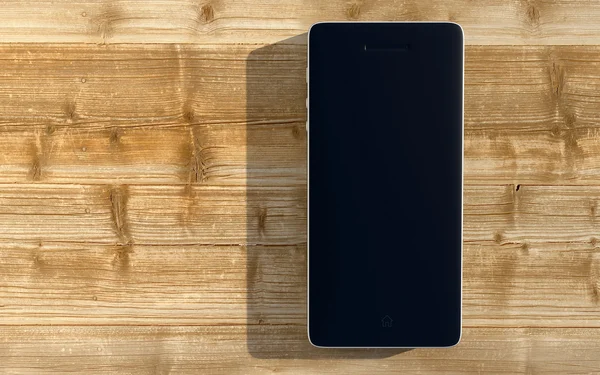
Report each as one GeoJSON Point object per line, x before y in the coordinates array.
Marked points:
{"type": "Point", "coordinates": [276, 207]}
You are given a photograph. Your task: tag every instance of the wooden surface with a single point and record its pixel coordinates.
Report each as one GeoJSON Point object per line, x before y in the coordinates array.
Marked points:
{"type": "Point", "coordinates": [153, 198]}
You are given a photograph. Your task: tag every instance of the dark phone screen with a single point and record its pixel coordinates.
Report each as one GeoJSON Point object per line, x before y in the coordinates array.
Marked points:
{"type": "Point", "coordinates": [385, 184]}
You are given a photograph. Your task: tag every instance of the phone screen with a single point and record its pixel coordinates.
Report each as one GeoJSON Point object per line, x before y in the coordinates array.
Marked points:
{"type": "Point", "coordinates": [385, 128]}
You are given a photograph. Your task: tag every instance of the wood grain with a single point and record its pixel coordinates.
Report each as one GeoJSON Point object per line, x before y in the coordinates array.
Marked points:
{"type": "Point", "coordinates": [142, 214]}
{"type": "Point", "coordinates": [153, 114]}
{"type": "Point", "coordinates": [540, 285]}
{"type": "Point", "coordinates": [550, 284]}
{"type": "Point", "coordinates": [89, 87]}
{"type": "Point", "coordinates": [531, 256]}
{"type": "Point", "coordinates": [152, 214]}
{"type": "Point", "coordinates": [87, 284]}
{"type": "Point", "coordinates": [225, 350]}
{"type": "Point", "coordinates": [269, 21]}
{"type": "Point", "coordinates": [531, 115]}
{"type": "Point", "coordinates": [162, 114]}
{"type": "Point", "coordinates": [220, 154]}
{"type": "Point", "coordinates": [523, 214]}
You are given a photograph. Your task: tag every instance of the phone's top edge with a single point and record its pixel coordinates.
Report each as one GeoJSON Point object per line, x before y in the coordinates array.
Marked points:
{"type": "Point", "coordinates": [383, 22]}
{"type": "Point", "coordinates": [462, 30]}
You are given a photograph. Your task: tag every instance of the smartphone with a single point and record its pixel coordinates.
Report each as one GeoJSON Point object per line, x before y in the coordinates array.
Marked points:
{"type": "Point", "coordinates": [385, 185]}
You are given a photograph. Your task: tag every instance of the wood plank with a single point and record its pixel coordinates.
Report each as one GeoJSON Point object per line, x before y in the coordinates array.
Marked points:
{"type": "Point", "coordinates": [218, 114]}
{"type": "Point", "coordinates": [89, 86]}
{"type": "Point", "coordinates": [524, 214]}
{"type": "Point", "coordinates": [153, 114]}
{"type": "Point", "coordinates": [171, 215]}
{"type": "Point", "coordinates": [551, 284]}
{"type": "Point", "coordinates": [531, 115]}
{"type": "Point", "coordinates": [152, 214]}
{"type": "Point", "coordinates": [269, 21]}
{"type": "Point", "coordinates": [219, 154]}
{"type": "Point", "coordinates": [229, 350]}
{"type": "Point", "coordinates": [49, 283]}
{"type": "Point", "coordinates": [86, 284]}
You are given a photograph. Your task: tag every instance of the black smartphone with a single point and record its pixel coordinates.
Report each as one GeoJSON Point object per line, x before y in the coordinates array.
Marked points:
{"type": "Point", "coordinates": [385, 163]}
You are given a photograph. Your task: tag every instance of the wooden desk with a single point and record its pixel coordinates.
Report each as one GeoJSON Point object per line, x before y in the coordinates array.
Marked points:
{"type": "Point", "coordinates": [152, 187]}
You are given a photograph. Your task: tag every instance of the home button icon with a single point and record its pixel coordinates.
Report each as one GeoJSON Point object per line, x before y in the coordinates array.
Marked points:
{"type": "Point", "coordinates": [386, 321]}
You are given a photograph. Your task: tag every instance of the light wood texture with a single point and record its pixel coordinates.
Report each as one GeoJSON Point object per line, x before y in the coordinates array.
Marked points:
{"type": "Point", "coordinates": [169, 215]}
{"type": "Point", "coordinates": [226, 350]}
{"type": "Point", "coordinates": [532, 115]}
{"type": "Point", "coordinates": [163, 114]}
{"type": "Point", "coordinates": [153, 215]}
{"type": "Point", "coordinates": [531, 255]}
{"type": "Point", "coordinates": [269, 21]}
{"type": "Point", "coordinates": [89, 87]}
{"type": "Point", "coordinates": [152, 154]}
{"type": "Point", "coordinates": [153, 197]}
{"type": "Point", "coordinates": [85, 284]}
{"type": "Point", "coordinates": [551, 284]}
{"type": "Point", "coordinates": [153, 114]}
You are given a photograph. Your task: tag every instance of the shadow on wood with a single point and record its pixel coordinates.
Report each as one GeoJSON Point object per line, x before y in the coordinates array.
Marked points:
{"type": "Point", "coordinates": [276, 94]}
